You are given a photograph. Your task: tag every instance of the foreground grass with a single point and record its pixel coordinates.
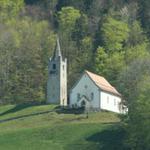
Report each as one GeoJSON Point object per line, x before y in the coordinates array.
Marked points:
{"type": "Point", "coordinates": [42, 127]}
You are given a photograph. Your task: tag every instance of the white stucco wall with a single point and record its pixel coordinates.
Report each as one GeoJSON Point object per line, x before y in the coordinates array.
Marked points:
{"type": "Point", "coordinates": [85, 87]}
{"type": "Point", "coordinates": [63, 83]}
{"type": "Point", "coordinates": [109, 102]}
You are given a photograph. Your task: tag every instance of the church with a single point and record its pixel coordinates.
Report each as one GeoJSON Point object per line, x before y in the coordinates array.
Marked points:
{"type": "Point", "coordinates": [94, 92]}
{"type": "Point", "coordinates": [91, 91]}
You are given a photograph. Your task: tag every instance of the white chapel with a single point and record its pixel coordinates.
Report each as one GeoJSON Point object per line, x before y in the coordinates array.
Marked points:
{"type": "Point", "coordinates": [95, 92]}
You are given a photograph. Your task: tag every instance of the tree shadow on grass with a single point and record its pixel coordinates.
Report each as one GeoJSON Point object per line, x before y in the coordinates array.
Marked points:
{"type": "Point", "coordinates": [112, 138]}
{"type": "Point", "coordinates": [20, 107]}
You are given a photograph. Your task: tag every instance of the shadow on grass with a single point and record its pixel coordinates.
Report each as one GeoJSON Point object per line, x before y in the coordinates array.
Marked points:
{"type": "Point", "coordinates": [20, 107]}
{"type": "Point", "coordinates": [76, 111]}
{"type": "Point", "coordinates": [24, 116]}
{"type": "Point", "coordinates": [111, 138]}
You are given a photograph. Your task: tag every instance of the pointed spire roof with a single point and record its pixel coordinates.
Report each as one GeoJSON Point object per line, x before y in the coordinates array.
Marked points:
{"type": "Point", "coordinates": [57, 52]}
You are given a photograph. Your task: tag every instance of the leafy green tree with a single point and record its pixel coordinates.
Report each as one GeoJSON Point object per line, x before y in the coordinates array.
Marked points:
{"type": "Point", "coordinates": [9, 9]}
{"type": "Point", "coordinates": [136, 52]}
{"type": "Point", "coordinates": [24, 52]}
{"type": "Point", "coordinates": [8, 45]}
{"type": "Point", "coordinates": [144, 11]}
{"type": "Point", "coordinates": [67, 18]}
{"type": "Point", "coordinates": [115, 33]}
{"type": "Point", "coordinates": [85, 54]}
{"type": "Point", "coordinates": [82, 5]}
{"type": "Point", "coordinates": [100, 61]}
{"type": "Point", "coordinates": [131, 75]}
{"type": "Point", "coordinates": [138, 128]}
{"type": "Point", "coordinates": [115, 64]}
{"type": "Point", "coordinates": [83, 58]}
{"type": "Point", "coordinates": [80, 30]}
{"type": "Point", "coordinates": [136, 35]}
{"type": "Point", "coordinates": [109, 66]}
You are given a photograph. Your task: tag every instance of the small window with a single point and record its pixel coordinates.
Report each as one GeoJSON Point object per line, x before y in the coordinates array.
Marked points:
{"type": "Point", "coordinates": [78, 96]}
{"type": "Point", "coordinates": [92, 96]}
{"type": "Point", "coordinates": [63, 67]}
{"type": "Point", "coordinates": [54, 66]}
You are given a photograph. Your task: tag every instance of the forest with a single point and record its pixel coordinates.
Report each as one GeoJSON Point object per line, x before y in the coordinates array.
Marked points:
{"type": "Point", "coordinates": [108, 37]}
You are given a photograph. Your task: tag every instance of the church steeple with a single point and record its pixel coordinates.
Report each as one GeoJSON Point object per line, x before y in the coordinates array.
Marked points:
{"type": "Point", "coordinates": [57, 52]}
{"type": "Point", "coordinates": [57, 78]}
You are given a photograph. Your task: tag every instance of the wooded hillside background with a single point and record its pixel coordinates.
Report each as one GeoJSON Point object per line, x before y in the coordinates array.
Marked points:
{"type": "Point", "coordinates": [108, 37]}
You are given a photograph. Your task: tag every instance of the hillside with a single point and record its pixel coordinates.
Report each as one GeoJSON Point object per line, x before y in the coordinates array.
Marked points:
{"type": "Point", "coordinates": [108, 37]}
{"type": "Point", "coordinates": [26, 127]}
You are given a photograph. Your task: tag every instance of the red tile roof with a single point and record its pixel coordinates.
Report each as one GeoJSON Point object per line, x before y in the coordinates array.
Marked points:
{"type": "Point", "coordinates": [102, 83]}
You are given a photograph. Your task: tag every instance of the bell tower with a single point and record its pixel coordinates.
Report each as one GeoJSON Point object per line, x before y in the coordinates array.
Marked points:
{"type": "Point", "coordinates": [57, 78]}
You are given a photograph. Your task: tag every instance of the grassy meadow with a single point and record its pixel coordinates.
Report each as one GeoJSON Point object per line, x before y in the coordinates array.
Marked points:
{"type": "Point", "coordinates": [47, 127]}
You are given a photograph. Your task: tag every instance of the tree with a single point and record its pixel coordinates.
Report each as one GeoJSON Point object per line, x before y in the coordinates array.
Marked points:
{"type": "Point", "coordinates": [144, 12]}
{"type": "Point", "coordinates": [136, 52]}
{"type": "Point", "coordinates": [109, 66]}
{"type": "Point", "coordinates": [100, 61]}
{"type": "Point", "coordinates": [136, 35]}
{"type": "Point", "coordinates": [138, 128]}
{"type": "Point", "coordinates": [24, 49]}
{"type": "Point", "coordinates": [131, 76]}
{"type": "Point", "coordinates": [115, 33]}
{"type": "Point", "coordinates": [80, 30]}
{"type": "Point", "coordinates": [10, 9]}
{"type": "Point", "coordinates": [67, 18]}
{"type": "Point", "coordinates": [83, 58]}
{"type": "Point", "coordinates": [115, 64]}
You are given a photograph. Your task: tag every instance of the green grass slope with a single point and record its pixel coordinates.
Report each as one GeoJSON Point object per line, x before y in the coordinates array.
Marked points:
{"type": "Point", "coordinates": [43, 127]}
